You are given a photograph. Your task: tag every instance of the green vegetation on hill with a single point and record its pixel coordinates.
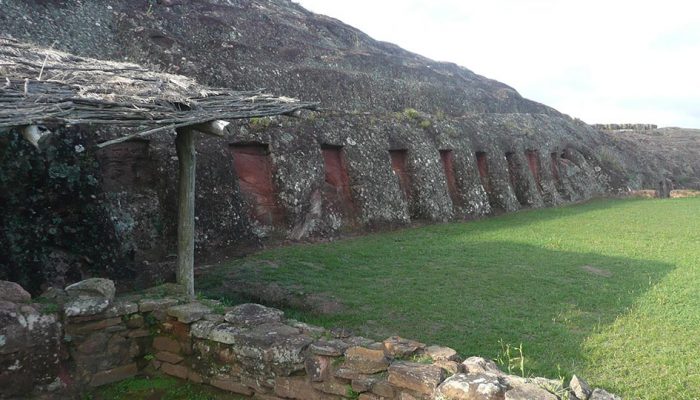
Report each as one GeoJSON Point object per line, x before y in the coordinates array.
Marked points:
{"type": "Point", "coordinates": [608, 290]}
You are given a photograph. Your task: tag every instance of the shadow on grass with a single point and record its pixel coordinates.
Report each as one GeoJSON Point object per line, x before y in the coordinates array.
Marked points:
{"type": "Point", "coordinates": [473, 297]}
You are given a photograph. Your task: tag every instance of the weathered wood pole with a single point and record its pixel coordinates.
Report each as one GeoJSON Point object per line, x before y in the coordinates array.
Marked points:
{"type": "Point", "coordinates": [184, 143]}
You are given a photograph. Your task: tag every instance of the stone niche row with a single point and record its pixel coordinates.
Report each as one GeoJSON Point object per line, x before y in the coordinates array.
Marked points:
{"type": "Point", "coordinates": [254, 170]}
{"type": "Point", "coordinates": [90, 338]}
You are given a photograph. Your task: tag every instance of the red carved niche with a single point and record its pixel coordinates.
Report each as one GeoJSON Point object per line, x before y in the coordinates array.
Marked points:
{"type": "Point", "coordinates": [337, 187]}
{"type": "Point", "coordinates": [399, 163]}
{"type": "Point", "coordinates": [554, 165]}
{"type": "Point", "coordinates": [447, 158]}
{"type": "Point", "coordinates": [124, 166]}
{"type": "Point", "coordinates": [253, 168]}
{"type": "Point", "coordinates": [483, 166]}
{"type": "Point", "coordinates": [533, 161]}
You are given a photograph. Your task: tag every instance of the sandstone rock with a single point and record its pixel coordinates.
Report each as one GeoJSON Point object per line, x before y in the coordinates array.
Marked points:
{"type": "Point", "coordinates": [476, 386]}
{"type": "Point", "coordinates": [295, 388]}
{"type": "Point", "coordinates": [398, 347]}
{"type": "Point", "coordinates": [168, 357]}
{"type": "Point", "coordinates": [529, 391]}
{"type": "Point", "coordinates": [222, 333]}
{"type": "Point", "coordinates": [95, 343]}
{"type": "Point", "coordinates": [114, 375]}
{"type": "Point", "coordinates": [332, 347]}
{"type": "Point", "coordinates": [422, 378]}
{"type": "Point", "coordinates": [11, 291]}
{"type": "Point", "coordinates": [164, 343]}
{"type": "Point", "coordinates": [84, 306]}
{"type": "Point", "coordinates": [317, 368]}
{"type": "Point", "coordinates": [451, 367]}
{"type": "Point", "coordinates": [580, 388]}
{"type": "Point", "coordinates": [480, 365]}
{"type": "Point", "coordinates": [231, 386]}
{"type": "Point", "coordinates": [253, 314]}
{"type": "Point", "coordinates": [368, 396]}
{"type": "Point", "coordinates": [121, 307]}
{"type": "Point", "coordinates": [364, 383]}
{"type": "Point", "coordinates": [135, 321]}
{"type": "Point", "coordinates": [600, 394]}
{"type": "Point", "coordinates": [178, 371]}
{"type": "Point", "coordinates": [138, 333]}
{"type": "Point", "coordinates": [188, 313]}
{"type": "Point", "coordinates": [440, 353]}
{"type": "Point", "coordinates": [147, 305]}
{"type": "Point", "coordinates": [365, 361]}
{"type": "Point", "coordinates": [202, 329]}
{"type": "Point", "coordinates": [92, 287]}
{"type": "Point", "coordinates": [331, 387]}
{"type": "Point", "coordinates": [383, 388]}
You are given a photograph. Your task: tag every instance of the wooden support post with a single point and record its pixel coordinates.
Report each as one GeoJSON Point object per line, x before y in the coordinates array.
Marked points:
{"type": "Point", "coordinates": [184, 143]}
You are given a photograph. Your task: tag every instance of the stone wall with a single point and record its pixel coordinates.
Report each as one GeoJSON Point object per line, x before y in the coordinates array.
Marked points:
{"type": "Point", "coordinates": [89, 338]}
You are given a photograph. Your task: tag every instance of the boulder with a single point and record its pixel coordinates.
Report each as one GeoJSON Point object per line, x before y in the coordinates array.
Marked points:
{"type": "Point", "coordinates": [600, 394]}
{"type": "Point", "coordinates": [422, 378]}
{"type": "Point", "coordinates": [480, 365]}
{"type": "Point", "coordinates": [92, 287]}
{"type": "Point", "coordinates": [253, 314]}
{"type": "Point", "coordinates": [580, 388]}
{"type": "Point", "coordinates": [11, 291]}
{"type": "Point", "coordinates": [477, 386]}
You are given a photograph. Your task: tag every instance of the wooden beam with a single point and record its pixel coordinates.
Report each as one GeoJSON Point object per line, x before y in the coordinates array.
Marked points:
{"type": "Point", "coordinates": [216, 128]}
{"type": "Point", "coordinates": [184, 143]}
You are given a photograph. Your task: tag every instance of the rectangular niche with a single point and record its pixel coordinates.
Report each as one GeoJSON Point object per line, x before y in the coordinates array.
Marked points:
{"type": "Point", "coordinates": [399, 164]}
{"type": "Point", "coordinates": [555, 165]}
{"type": "Point", "coordinates": [447, 158]}
{"type": "Point", "coordinates": [533, 161]}
{"type": "Point", "coordinates": [253, 167]}
{"type": "Point", "coordinates": [483, 167]}
{"type": "Point", "coordinates": [125, 166]}
{"type": "Point", "coordinates": [337, 181]}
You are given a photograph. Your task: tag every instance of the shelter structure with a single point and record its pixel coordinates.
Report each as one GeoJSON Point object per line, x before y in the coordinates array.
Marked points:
{"type": "Point", "coordinates": [40, 88]}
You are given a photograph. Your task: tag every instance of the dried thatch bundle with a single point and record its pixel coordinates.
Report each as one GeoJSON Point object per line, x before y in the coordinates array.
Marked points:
{"type": "Point", "coordinates": [40, 86]}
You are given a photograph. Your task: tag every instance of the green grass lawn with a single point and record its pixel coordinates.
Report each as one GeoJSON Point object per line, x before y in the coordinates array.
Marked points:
{"type": "Point", "coordinates": [609, 290]}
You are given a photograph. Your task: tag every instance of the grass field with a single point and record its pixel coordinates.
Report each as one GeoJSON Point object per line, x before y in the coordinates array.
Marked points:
{"type": "Point", "coordinates": [608, 289]}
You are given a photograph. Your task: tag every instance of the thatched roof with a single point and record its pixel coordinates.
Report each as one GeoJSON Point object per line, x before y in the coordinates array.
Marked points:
{"type": "Point", "coordinates": [43, 86]}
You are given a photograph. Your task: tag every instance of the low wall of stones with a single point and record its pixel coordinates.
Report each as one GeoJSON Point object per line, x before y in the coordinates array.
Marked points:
{"type": "Point", "coordinates": [69, 341]}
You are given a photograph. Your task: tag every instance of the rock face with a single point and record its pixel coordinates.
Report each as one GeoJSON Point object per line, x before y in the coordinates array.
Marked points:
{"type": "Point", "coordinates": [402, 137]}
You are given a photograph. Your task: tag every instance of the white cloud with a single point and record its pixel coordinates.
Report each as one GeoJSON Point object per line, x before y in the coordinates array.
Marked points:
{"type": "Point", "coordinates": [602, 61]}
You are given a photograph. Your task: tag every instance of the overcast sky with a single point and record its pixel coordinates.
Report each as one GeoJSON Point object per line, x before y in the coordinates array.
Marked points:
{"type": "Point", "coordinates": [598, 60]}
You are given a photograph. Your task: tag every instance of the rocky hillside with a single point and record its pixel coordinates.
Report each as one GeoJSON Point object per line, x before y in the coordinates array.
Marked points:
{"type": "Point", "coordinates": [401, 138]}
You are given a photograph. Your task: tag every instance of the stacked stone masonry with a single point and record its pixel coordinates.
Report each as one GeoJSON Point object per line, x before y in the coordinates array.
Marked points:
{"type": "Point", "coordinates": [249, 349]}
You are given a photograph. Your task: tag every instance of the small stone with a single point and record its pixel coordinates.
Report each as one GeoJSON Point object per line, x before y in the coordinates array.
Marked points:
{"type": "Point", "coordinates": [92, 287]}
{"type": "Point", "coordinates": [96, 325]}
{"type": "Point", "coordinates": [317, 367]}
{"type": "Point", "coordinates": [440, 353]}
{"type": "Point", "coordinates": [600, 394]}
{"type": "Point", "coordinates": [472, 387]}
{"type": "Point", "coordinates": [194, 377]}
{"type": "Point", "coordinates": [398, 347]}
{"type": "Point", "coordinates": [383, 388]}
{"type": "Point", "coordinates": [83, 306]}
{"type": "Point", "coordinates": [188, 313]}
{"type": "Point", "coordinates": [368, 396]}
{"type": "Point", "coordinates": [480, 365]}
{"type": "Point", "coordinates": [422, 378]}
{"type": "Point", "coordinates": [529, 391]}
{"type": "Point", "coordinates": [120, 308]}
{"type": "Point", "coordinates": [137, 333]}
{"type": "Point", "coordinates": [580, 388]}
{"type": "Point", "coordinates": [94, 344]}
{"type": "Point", "coordinates": [113, 375]}
{"type": "Point", "coordinates": [13, 292]}
{"type": "Point", "coordinates": [178, 371]}
{"type": "Point", "coordinates": [331, 387]}
{"type": "Point", "coordinates": [225, 333]}
{"type": "Point", "coordinates": [295, 388]}
{"type": "Point", "coordinates": [135, 321]}
{"type": "Point", "coordinates": [202, 329]}
{"type": "Point", "coordinates": [364, 383]}
{"type": "Point", "coordinates": [164, 343]}
{"type": "Point", "coordinates": [331, 348]}
{"type": "Point", "coordinates": [365, 361]}
{"type": "Point", "coordinates": [451, 367]}
{"type": "Point", "coordinates": [147, 305]}
{"type": "Point", "coordinates": [168, 357]}
{"type": "Point", "coordinates": [253, 314]}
